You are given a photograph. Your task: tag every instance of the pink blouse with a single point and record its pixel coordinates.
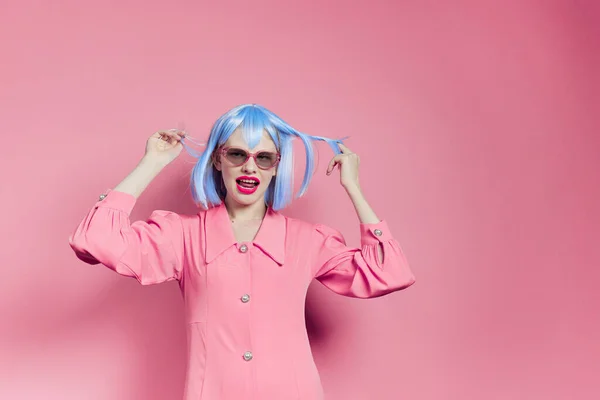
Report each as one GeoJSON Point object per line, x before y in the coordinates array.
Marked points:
{"type": "Point", "coordinates": [244, 302]}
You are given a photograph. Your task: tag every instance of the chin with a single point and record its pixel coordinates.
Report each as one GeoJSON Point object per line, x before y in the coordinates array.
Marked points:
{"type": "Point", "coordinates": [246, 199]}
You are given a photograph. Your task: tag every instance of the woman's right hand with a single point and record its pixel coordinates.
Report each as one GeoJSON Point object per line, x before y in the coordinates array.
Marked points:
{"type": "Point", "coordinates": [164, 146]}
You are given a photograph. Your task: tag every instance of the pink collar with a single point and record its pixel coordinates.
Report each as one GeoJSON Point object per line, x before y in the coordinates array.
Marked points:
{"type": "Point", "coordinates": [219, 236]}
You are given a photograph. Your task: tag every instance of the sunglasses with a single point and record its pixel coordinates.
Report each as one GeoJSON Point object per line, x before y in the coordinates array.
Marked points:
{"type": "Point", "coordinates": [263, 159]}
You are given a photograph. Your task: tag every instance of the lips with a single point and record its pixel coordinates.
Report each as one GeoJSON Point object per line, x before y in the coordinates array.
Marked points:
{"type": "Point", "coordinates": [247, 184]}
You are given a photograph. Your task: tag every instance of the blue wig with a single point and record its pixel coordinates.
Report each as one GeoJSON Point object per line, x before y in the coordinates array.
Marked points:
{"type": "Point", "coordinates": [207, 185]}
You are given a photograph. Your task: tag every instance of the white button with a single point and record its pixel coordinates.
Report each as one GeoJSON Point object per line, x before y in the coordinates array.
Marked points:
{"type": "Point", "coordinates": [245, 298]}
{"type": "Point", "coordinates": [248, 356]}
{"type": "Point", "coordinates": [243, 248]}
{"type": "Point", "coordinates": [102, 197]}
{"type": "Point", "coordinates": [377, 232]}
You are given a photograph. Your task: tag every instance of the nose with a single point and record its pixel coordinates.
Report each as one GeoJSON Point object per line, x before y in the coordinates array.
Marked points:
{"type": "Point", "coordinates": [249, 166]}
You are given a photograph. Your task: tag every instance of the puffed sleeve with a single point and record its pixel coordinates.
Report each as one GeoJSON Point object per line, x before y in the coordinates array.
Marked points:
{"type": "Point", "coordinates": [150, 251]}
{"type": "Point", "coordinates": [355, 272]}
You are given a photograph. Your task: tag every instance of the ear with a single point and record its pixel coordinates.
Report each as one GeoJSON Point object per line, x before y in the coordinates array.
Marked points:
{"type": "Point", "coordinates": [216, 162]}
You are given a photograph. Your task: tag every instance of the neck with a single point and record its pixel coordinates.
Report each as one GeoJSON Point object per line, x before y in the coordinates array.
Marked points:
{"type": "Point", "coordinates": [243, 212]}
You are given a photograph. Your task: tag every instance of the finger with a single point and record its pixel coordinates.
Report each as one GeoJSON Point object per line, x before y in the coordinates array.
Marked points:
{"type": "Point", "coordinates": [330, 168]}
{"type": "Point", "coordinates": [344, 148]}
{"type": "Point", "coordinates": [175, 133]}
{"type": "Point", "coordinates": [167, 136]}
{"type": "Point", "coordinates": [172, 136]}
{"type": "Point", "coordinates": [335, 160]}
{"type": "Point", "coordinates": [179, 136]}
{"type": "Point", "coordinates": [332, 163]}
{"type": "Point", "coordinates": [178, 132]}
{"type": "Point", "coordinates": [162, 136]}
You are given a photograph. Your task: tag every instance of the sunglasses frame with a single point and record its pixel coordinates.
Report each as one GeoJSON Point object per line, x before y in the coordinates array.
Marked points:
{"type": "Point", "coordinates": [223, 151]}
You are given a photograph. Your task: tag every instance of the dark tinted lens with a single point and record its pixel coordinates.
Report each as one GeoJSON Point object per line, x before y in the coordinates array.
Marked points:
{"type": "Point", "coordinates": [266, 159]}
{"type": "Point", "coordinates": [236, 156]}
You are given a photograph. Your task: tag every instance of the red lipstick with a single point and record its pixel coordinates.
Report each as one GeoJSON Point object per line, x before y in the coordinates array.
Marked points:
{"type": "Point", "coordinates": [247, 184]}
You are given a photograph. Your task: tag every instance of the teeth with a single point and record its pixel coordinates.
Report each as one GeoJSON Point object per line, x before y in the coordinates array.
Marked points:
{"type": "Point", "coordinates": [247, 181]}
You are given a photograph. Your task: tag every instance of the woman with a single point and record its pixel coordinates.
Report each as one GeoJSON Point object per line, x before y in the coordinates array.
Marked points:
{"type": "Point", "coordinates": [242, 267]}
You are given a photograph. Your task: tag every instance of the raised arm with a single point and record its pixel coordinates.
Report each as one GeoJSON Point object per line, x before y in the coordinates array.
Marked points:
{"type": "Point", "coordinates": [377, 268]}
{"type": "Point", "coordinates": [150, 251]}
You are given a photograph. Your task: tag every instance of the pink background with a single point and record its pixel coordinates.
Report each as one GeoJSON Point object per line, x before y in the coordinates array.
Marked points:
{"type": "Point", "coordinates": [477, 126]}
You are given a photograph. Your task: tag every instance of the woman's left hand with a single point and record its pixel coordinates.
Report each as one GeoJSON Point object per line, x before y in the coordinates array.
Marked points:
{"type": "Point", "coordinates": [348, 162]}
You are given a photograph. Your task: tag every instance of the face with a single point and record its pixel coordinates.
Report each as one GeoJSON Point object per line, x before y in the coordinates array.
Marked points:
{"type": "Point", "coordinates": [236, 178]}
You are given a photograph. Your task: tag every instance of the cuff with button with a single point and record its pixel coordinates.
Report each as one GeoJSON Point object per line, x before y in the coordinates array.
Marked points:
{"type": "Point", "coordinates": [117, 200]}
{"type": "Point", "coordinates": [371, 234]}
